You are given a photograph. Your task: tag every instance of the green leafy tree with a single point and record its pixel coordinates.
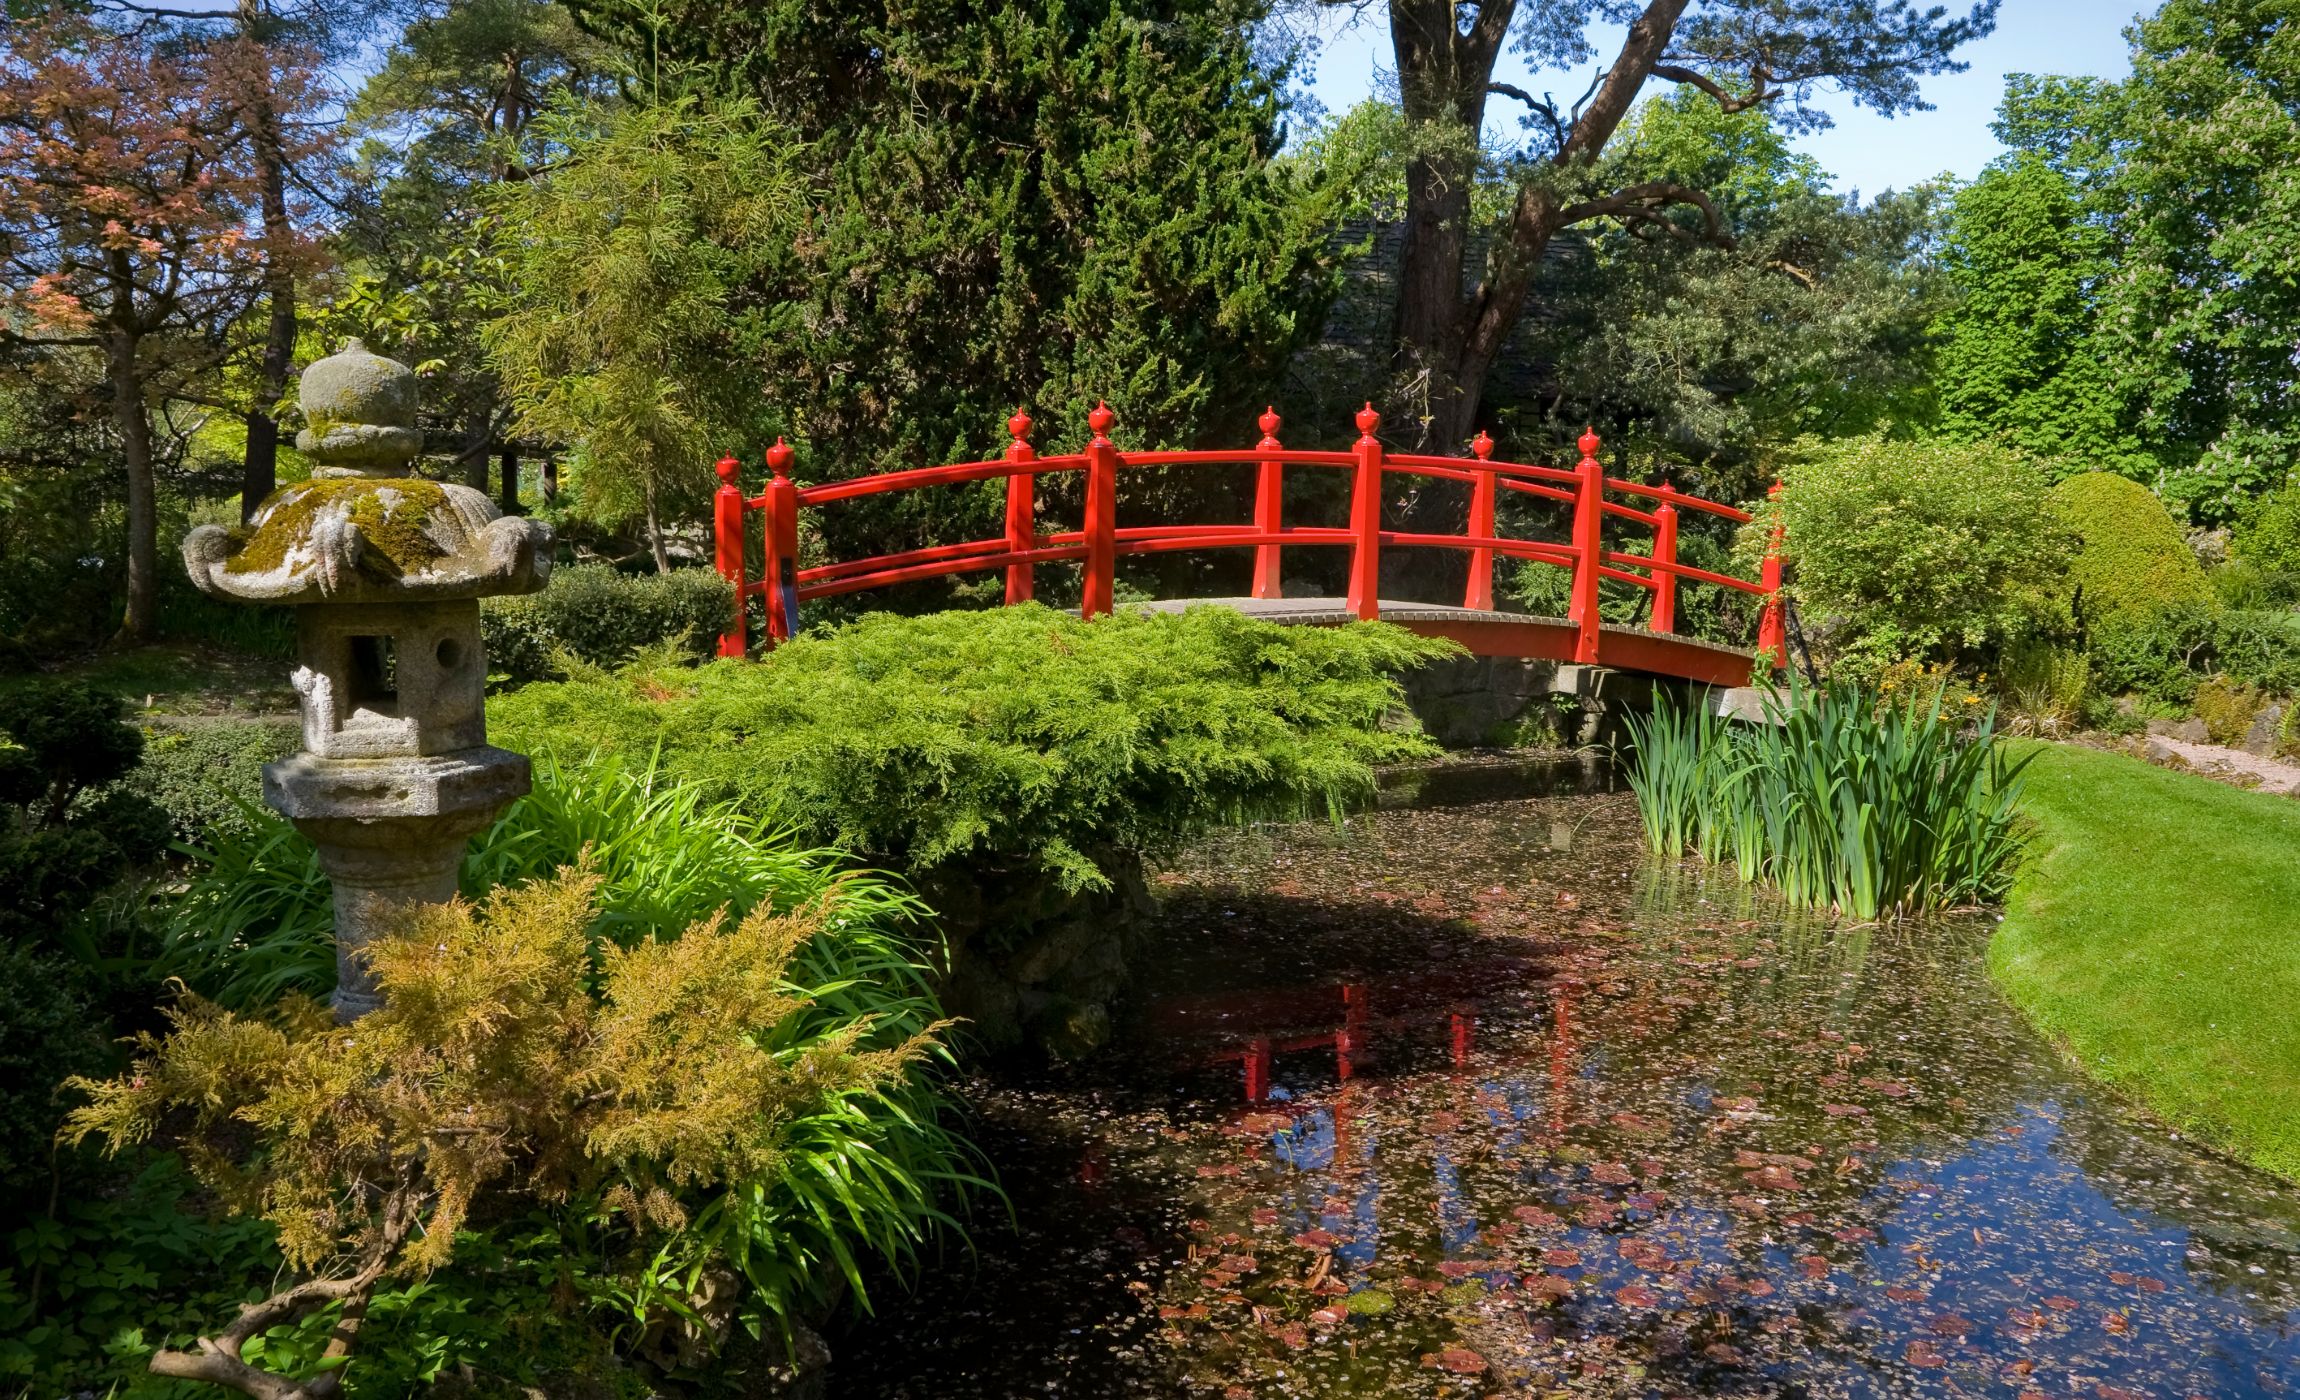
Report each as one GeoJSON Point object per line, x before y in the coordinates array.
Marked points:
{"type": "Point", "coordinates": [1453, 319]}
{"type": "Point", "coordinates": [2020, 360]}
{"type": "Point", "coordinates": [1011, 204]}
{"type": "Point", "coordinates": [451, 111]}
{"type": "Point", "coordinates": [626, 262]}
{"type": "Point", "coordinates": [2204, 310]}
{"type": "Point", "coordinates": [2186, 169]}
{"type": "Point", "coordinates": [1805, 313]}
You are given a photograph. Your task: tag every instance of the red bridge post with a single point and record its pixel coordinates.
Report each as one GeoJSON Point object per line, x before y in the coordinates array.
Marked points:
{"type": "Point", "coordinates": [779, 566]}
{"type": "Point", "coordinates": [1589, 548]}
{"type": "Point", "coordinates": [1366, 519]}
{"type": "Point", "coordinates": [1772, 637]}
{"type": "Point", "coordinates": [1479, 593]}
{"type": "Point", "coordinates": [1021, 508]}
{"type": "Point", "coordinates": [1269, 509]}
{"type": "Point", "coordinates": [1664, 552]}
{"type": "Point", "coordinates": [1101, 528]}
{"type": "Point", "coordinates": [727, 536]}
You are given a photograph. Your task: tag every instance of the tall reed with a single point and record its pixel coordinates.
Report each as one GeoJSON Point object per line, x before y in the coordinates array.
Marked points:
{"type": "Point", "coordinates": [1841, 800]}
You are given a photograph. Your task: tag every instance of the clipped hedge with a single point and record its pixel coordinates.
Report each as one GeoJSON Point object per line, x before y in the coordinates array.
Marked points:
{"type": "Point", "coordinates": [204, 773]}
{"type": "Point", "coordinates": [603, 617]}
{"type": "Point", "coordinates": [1022, 735]}
{"type": "Point", "coordinates": [2132, 564]}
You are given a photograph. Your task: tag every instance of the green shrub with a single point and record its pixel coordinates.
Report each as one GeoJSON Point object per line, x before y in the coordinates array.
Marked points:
{"type": "Point", "coordinates": [2259, 646]}
{"type": "Point", "coordinates": [862, 1178]}
{"type": "Point", "coordinates": [2228, 706]}
{"type": "Point", "coordinates": [2165, 656]}
{"type": "Point", "coordinates": [1926, 550]}
{"type": "Point", "coordinates": [48, 1033]}
{"type": "Point", "coordinates": [205, 774]}
{"type": "Point", "coordinates": [67, 831]}
{"type": "Point", "coordinates": [605, 618]}
{"type": "Point", "coordinates": [2267, 534]}
{"type": "Point", "coordinates": [1020, 736]}
{"type": "Point", "coordinates": [1843, 801]}
{"type": "Point", "coordinates": [2131, 563]}
{"type": "Point", "coordinates": [2046, 686]}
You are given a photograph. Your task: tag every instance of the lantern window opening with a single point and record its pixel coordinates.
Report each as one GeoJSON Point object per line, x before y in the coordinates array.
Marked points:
{"type": "Point", "coordinates": [375, 675]}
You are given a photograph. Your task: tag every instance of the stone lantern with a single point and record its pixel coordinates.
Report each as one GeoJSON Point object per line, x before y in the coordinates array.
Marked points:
{"type": "Point", "coordinates": [385, 571]}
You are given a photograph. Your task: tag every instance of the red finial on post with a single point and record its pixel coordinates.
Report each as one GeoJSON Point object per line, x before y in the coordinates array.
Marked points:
{"type": "Point", "coordinates": [1097, 591]}
{"type": "Point", "coordinates": [779, 458]}
{"type": "Point", "coordinates": [1021, 510]}
{"type": "Point", "coordinates": [1588, 548]}
{"type": "Point", "coordinates": [727, 552]}
{"type": "Point", "coordinates": [1269, 508]}
{"type": "Point", "coordinates": [1366, 519]}
{"type": "Point", "coordinates": [1478, 593]}
{"type": "Point", "coordinates": [1772, 632]}
{"type": "Point", "coordinates": [1664, 619]}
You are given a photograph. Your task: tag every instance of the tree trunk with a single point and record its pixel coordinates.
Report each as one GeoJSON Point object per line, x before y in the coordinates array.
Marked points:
{"type": "Point", "coordinates": [259, 472]}
{"type": "Point", "coordinates": [1448, 337]}
{"type": "Point", "coordinates": [655, 532]}
{"type": "Point", "coordinates": [1442, 78]}
{"type": "Point", "coordinates": [141, 619]}
{"type": "Point", "coordinates": [510, 496]}
{"type": "Point", "coordinates": [549, 485]}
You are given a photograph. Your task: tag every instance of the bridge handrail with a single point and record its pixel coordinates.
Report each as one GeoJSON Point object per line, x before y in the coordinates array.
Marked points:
{"type": "Point", "coordinates": [1098, 542]}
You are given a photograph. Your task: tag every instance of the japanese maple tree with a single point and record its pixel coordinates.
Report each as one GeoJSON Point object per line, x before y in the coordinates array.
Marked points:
{"type": "Point", "coordinates": [131, 219]}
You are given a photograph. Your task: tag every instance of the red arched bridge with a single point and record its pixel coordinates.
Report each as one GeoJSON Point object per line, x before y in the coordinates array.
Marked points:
{"type": "Point", "coordinates": [1580, 636]}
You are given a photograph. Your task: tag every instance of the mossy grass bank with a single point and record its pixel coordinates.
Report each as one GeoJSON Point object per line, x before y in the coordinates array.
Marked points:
{"type": "Point", "coordinates": [2154, 930]}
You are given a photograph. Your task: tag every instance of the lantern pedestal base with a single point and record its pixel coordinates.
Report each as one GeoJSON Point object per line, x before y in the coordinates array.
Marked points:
{"type": "Point", "coordinates": [391, 833]}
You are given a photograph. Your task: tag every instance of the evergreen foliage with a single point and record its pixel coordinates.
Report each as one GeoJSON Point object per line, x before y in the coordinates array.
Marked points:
{"type": "Point", "coordinates": [2018, 360]}
{"type": "Point", "coordinates": [493, 1072]}
{"type": "Point", "coordinates": [49, 1032]}
{"type": "Point", "coordinates": [1020, 735]}
{"type": "Point", "coordinates": [1926, 550]}
{"type": "Point", "coordinates": [2131, 563]}
{"type": "Point", "coordinates": [65, 832]}
{"type": "Point", "coordinates": [625, 263]}
{"type": "Point", "coordinates": [205, 775]}
{"type": "Point", "coordinates": [1813, 321]}
{"type": "Point", "coordinates": [1008, 205]}
{"type": "Point", "coordinates": [597, 615]}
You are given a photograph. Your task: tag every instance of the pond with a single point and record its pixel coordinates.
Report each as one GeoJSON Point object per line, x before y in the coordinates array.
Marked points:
{"type": "Point", "coordinates": [1466, 1097]}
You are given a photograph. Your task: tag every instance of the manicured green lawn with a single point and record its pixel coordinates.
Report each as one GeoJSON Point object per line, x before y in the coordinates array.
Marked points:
{"type": "Point", "coordinates": [2155, 932]}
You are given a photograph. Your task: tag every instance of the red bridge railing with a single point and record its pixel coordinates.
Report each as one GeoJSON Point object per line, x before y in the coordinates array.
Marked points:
{"type": "Point", "coordinates": [1099, 542]}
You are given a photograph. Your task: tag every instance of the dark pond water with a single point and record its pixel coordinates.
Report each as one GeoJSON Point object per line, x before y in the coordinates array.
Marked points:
{"type": "Point", "coordinates": [1467, 1099]}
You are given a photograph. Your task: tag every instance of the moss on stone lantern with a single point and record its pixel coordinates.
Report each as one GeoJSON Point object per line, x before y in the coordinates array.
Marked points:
{"type": "Point", "coordinates": [385, 570]}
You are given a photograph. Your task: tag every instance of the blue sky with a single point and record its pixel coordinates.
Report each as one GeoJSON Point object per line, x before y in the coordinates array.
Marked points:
{"type": "Point", "coordinates": [1863, 151]}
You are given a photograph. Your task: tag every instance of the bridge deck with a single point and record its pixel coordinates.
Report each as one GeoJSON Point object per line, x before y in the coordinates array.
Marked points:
{"type": "Point", "coordinates": [1487, 633]}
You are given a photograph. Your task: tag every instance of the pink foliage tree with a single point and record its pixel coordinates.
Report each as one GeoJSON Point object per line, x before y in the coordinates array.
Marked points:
{"type": "Point", "coordinates": [131, 220]}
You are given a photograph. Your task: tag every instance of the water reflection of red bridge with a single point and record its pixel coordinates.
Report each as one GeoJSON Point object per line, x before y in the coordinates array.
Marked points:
{"type": "Point", "coordinates": [1252, 1029]}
